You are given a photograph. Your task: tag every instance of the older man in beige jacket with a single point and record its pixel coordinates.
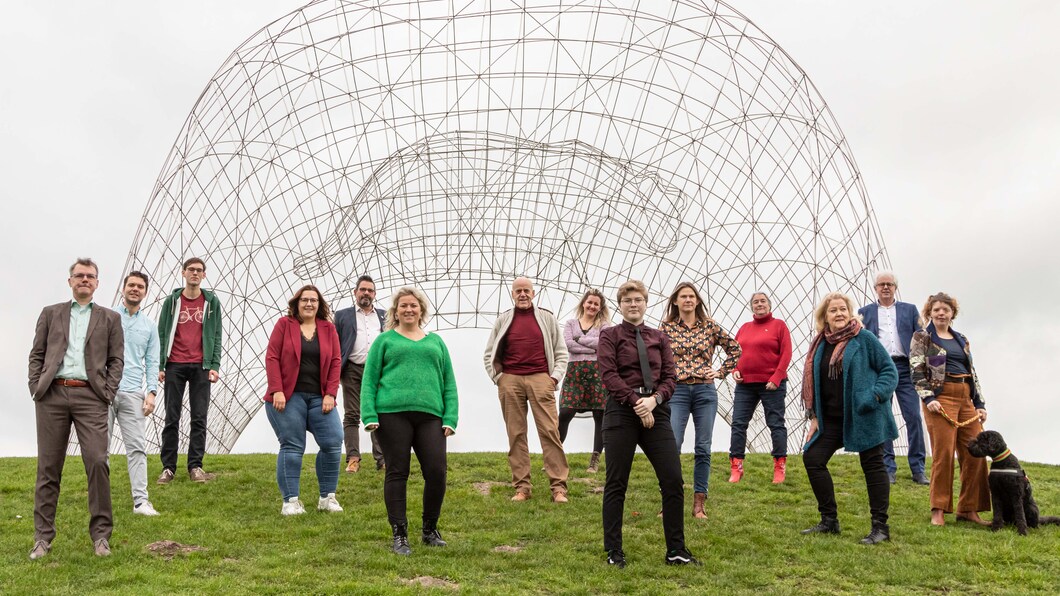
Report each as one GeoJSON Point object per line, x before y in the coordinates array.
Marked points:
{"type": "Point", "coordinates": [526, 357]}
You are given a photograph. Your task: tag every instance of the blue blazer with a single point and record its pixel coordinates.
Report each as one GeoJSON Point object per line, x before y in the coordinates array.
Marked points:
{"type": "Point", "coordinates": [346, 325]}
{"type": "Point", "coordinates": [908, 321]}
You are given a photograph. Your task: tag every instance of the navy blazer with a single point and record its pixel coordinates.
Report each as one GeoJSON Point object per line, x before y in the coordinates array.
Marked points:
{"type": "Point", "coordinates": [346, 325]}
{"type": "Point", "coordinates": [908, 321]}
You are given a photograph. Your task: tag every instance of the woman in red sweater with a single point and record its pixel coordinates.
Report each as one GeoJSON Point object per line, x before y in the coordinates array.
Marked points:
{"type": "Point", "coordinates": [302, 364]}
{"type": "Point", "coordinates": [761, 376]}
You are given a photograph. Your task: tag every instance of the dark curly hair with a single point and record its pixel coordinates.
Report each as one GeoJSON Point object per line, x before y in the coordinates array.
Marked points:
{"type": "Point", "coordinates": [323, 312]}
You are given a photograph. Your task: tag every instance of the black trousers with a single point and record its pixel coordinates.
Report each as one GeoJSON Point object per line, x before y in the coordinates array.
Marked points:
{"type": "Point", "coordinates": [423, 434]}
{"type": "Point", "coordinates": [567, 414]}
{"type": "Point", "coordinates": [623, 432]}
{"type": "Point", "coordinates": [876, 480]}
{"type": "Point", "coordinates": [197, 380]}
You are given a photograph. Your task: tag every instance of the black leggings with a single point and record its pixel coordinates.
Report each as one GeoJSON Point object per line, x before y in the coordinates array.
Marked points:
{"type": "Point", "coordinates": [567, 414]}
{"type": "Point", "coordinates": [421, 432]}
{"type": "Point", "coordinates": [816, 459]}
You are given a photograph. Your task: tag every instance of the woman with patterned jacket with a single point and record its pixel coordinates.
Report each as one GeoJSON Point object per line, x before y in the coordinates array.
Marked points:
{"type": "Point", "coordinates": [583, 391]}
{"type": "Point", "coordinates": [940, 360]}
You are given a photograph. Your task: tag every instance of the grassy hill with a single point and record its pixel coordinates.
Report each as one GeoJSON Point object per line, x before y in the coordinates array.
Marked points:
{"type": "Point", "coordinates": [750, 542]}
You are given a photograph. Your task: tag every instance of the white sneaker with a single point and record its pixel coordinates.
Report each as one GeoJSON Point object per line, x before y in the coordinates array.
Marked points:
{"type": "Point", "coordinates": [145, 508]}
{"type": "Point", "coordinates": [329, 504]}
{"type": "Point", "coordinates": [293, 506]}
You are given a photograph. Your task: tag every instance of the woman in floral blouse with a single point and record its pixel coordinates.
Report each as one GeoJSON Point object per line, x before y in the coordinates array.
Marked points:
{"type": "Point", "coordinates": [582, 389]}
{"type": "Point", "coordinates": [693, 336]}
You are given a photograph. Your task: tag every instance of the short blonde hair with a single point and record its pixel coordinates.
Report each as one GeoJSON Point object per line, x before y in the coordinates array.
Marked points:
{"type": "Point", "coordinates": [391, 313]}
{"type": "Point", "coordinates": [942, 297]}
{"type": "Point", "coordinates": [630, 287]}
{"type": "Point", "coordinates": [820, 313]}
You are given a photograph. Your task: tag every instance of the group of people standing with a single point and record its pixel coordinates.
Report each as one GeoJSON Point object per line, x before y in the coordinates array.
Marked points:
{"type": "Point", "coordinates": [91, 366]}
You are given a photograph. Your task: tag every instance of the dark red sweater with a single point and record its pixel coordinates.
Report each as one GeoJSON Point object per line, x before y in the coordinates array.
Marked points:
{"type": "Point", "coordinates": [524, 345]}
{"type": "Point", "coordinates": [766, 344]}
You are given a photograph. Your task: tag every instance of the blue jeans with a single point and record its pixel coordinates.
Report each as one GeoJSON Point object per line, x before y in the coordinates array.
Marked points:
{"type": "Point", "coordinates": [909, 404]}
{"type": "Point", "coordinates": [303, 412]}
{"type": "Point", "coordinates": [744, 401]}
{"type": "Point", "coordinates": [701, 401]}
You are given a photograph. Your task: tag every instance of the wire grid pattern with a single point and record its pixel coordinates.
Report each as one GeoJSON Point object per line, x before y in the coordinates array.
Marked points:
{"type": "Point", "coordinates": [456, 145]}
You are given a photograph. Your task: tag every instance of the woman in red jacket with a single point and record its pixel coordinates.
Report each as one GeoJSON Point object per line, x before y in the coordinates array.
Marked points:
{"type": "Point", "coordinates": [303, 365]}
{"type": "Point", "coordinates": [761, 376]}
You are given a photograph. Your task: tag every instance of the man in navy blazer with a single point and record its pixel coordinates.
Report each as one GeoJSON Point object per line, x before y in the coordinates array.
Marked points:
{"type": "Point", "coordinates": [357, 326]}
{"type": "Point", "coordinates": [894, 323]}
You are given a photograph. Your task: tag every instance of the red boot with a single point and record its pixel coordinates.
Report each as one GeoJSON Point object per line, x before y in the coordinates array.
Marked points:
{"type": "Point", "coordinates": [780, 468]}
{"type": "Point", "coordinates": [737, 469]}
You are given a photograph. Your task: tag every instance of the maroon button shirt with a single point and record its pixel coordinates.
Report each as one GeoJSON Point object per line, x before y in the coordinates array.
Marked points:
{"type": "Point", "coordinates": [620, 364]}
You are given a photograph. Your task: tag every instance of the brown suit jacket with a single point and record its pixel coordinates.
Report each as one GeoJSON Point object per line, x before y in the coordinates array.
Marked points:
{"type": "Point", "coordinates": [104, 350]}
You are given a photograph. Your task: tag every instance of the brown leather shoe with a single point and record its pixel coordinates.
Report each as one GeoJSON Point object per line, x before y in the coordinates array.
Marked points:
{"type": "Point", "coordinates": [560, 497]}
{"type": "Point", "coordinates": [165, 477]}
{"type": "Point", "coordinates": [521, 496]}
{"type": "Point", "coordinates": [353, 466]}
{"type": "Point", "coordinates": [102, 547]}
{"type": "Point", "coordinates": [39, 550]}
{"type": "Point", "coordinates": [698, 500]}
{"type": "Point", "coordinates": [200, 476]}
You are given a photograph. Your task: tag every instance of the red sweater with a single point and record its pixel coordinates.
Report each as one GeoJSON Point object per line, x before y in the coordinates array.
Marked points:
{"type": "Point", "coordinates": [524, 345]}
{"type": "Point", "coordinates": [284, 354]}
{"type": "Point", "coordinates": [766, 344]}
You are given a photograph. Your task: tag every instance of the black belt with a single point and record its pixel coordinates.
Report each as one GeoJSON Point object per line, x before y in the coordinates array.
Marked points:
{"type": "Point", "coordinates": [899, 358]}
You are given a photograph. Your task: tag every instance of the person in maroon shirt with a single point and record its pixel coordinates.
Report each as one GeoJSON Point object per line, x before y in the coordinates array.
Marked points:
{"type": "Point", "coordinates": [526, 357]}
{"type": "Point", "coordinates": [761, 376]}
{"type": "Point", "coordinates": [637, 367]}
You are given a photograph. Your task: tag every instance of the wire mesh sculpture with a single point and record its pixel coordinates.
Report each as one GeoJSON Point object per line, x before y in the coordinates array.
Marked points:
{"type": "Point", "coordinates": [455, 146]}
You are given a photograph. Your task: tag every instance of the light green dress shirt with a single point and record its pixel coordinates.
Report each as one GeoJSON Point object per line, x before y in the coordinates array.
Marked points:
{"type": "Point", "coordinates": [74, 361]}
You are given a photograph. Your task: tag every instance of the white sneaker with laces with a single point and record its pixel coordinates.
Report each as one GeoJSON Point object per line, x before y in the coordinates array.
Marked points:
{"type": "Point", "coordinates": [292, 506]}
{"type": "Point", "coordinates": [329, 504]}
{"type": "Point", "coordinates": [145, 508]}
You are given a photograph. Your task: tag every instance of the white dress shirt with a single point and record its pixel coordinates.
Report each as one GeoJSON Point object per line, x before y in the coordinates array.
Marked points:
{"type": "Point", "coordinates": [888, 317]}
{"type": "Point", "coordinates": [367, 331]}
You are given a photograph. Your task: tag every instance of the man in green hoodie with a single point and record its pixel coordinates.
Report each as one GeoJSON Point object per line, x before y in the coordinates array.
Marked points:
{"type": "Point", "coordinates": [189, 330]}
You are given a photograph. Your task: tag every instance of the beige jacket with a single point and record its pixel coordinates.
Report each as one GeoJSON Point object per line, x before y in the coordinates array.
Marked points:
{"type": "Point", "coordinates": [555, 347]}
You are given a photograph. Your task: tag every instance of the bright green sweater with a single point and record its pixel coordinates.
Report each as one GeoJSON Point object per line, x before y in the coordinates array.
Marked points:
{"type": "Point", "coordinates": [402, 375]}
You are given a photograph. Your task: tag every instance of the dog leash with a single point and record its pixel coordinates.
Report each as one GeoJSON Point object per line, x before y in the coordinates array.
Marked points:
{"type": "Point", "coordinates": [958, 424]}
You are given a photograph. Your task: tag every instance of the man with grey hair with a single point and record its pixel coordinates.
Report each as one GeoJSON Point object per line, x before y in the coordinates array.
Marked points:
{"type": "Point", "coordinates": [894, 323]}
{"type": "Point", "coordinates": [75, 367]}
{"type": "Point", "coordinates": [526, 357]}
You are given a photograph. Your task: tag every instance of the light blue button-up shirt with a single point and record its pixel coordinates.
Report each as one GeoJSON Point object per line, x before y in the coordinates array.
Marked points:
{"type": "Point", "coordinates": [141, 351]}
{"type": "Point", "coordinates": [73, 366]}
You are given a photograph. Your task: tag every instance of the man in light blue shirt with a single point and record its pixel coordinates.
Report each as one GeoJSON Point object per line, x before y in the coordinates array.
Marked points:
{"type": "Point", "coordinates": [133, 404]}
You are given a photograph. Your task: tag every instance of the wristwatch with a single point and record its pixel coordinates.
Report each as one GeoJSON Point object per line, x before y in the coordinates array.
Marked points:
{"type": "Point", "coordinates": [658, 399]}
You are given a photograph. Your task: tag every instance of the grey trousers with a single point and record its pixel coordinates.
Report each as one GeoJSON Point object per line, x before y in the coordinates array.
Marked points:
{"type": "Point", "coordinates": [128, 410]}
{"type": "Point", "coordinates": [351, 420]}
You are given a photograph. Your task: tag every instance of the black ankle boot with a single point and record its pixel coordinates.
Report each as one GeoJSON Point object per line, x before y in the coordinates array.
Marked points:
{"type": "Point", "coordinates": [401, 539]}
{"type": "Point", "coordinates": [828, 525]}
{"type": "Point", "coordinates": [431, 535]}
{"type": "Point", "coordinates": [880, 532]}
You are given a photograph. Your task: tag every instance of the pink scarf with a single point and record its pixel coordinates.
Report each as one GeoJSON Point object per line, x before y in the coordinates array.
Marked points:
{"type": "Point", "coordinates": [839, 339]}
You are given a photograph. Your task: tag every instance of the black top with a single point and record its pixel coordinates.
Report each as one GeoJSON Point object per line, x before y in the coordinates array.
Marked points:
{"type": "Point", "coordinates": [309, 367]}
{"type": "Point", "coordinates": [956, 359]}
{"type": "Point", "coordinates": [831, 389]}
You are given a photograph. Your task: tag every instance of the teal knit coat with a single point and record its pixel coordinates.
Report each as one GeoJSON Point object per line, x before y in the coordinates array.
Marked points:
{"type": "Point", "coordinates": [869, 380]}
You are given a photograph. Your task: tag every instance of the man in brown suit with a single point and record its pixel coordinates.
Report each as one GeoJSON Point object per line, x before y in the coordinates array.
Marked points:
{"type": "Point", "coordinates": [74, 370]}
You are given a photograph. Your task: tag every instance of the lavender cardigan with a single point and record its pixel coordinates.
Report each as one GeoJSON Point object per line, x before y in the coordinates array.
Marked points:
{"type": "Point", "coordinates": [582, 348]}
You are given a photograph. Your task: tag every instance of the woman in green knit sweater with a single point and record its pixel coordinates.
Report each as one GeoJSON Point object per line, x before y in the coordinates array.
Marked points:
{"type": "Point", "coordinates": [408, 397]}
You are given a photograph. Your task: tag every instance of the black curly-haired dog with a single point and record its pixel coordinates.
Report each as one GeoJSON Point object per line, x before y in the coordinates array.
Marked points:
{"type": "Point", "coordinates": [1010, 490]}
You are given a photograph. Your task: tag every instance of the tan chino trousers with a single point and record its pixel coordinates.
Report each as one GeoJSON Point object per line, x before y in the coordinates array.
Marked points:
{"type": "Point", "coordinates": [515, 392]}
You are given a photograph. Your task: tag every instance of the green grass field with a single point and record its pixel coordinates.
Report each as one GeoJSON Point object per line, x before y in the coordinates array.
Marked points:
{"type": "Point", "coordinates": [750, 542]}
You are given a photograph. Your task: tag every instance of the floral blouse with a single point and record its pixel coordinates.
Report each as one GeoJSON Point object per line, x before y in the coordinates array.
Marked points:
{"type": "Point", "coordinates": [694, 348]}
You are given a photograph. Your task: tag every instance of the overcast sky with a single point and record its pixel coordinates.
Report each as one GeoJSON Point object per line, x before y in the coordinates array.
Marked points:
{"type": "Point", "coordinates": [949, 109]}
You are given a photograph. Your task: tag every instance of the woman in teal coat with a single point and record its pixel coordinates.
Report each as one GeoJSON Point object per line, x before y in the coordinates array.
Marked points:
{"type": "Point", "coordinates": [848, 381]}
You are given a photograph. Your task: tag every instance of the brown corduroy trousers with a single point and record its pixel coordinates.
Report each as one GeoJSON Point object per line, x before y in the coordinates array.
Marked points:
{"type": "Point", "coordinates": [947, 439]}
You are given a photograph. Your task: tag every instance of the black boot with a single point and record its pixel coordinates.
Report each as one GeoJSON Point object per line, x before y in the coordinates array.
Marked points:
{"type": "Point", "coordinates": [880, 532]}
{"type": "Point", "coordinates": [431, 535]}
{"type": "Point", "coordinates": [401, 539]}
{"type": "Point", "coordinates": [828, 525]}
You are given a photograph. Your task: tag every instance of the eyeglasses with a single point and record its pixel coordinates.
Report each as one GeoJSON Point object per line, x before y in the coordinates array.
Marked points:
{"type": "Point", "coordinates": [83, 276]}
{"type": "Point", "coordinates": [308, 300]}
{"type": "Point", "coordinates": [886, 284]}
{"type": "Point", "coordinates": [632, 301]}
